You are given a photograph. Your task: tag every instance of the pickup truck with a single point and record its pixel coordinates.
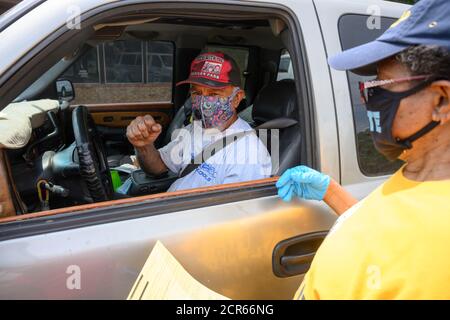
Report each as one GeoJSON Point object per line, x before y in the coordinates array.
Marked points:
{"type": "Point", "coordinates": [64, 83]}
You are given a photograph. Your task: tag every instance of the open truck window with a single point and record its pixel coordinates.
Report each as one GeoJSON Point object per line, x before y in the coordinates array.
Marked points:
{"type": "Point", "coordinates": [116, 75]}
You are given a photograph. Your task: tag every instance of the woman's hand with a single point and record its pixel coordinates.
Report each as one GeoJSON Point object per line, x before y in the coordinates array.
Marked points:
{"type": "Point", "coordinates": [304, 182]}
{"type": "Point", "coordinates": [309, 184]}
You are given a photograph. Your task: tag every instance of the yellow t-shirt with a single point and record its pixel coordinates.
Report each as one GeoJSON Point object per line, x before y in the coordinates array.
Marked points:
{"type": "Point", "coordinates": [395, 244]}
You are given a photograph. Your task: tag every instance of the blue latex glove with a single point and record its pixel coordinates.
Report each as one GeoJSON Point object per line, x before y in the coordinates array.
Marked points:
{"type": "Point", "coordinates": [304, 182]}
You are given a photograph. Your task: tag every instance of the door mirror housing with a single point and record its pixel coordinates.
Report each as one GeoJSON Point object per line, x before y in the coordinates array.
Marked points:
{"type": "Point", "coordinates": [64, 90]}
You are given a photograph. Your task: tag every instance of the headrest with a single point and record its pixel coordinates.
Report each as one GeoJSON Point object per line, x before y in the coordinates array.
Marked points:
{"type": "Point", "coordinates": [276, 100]}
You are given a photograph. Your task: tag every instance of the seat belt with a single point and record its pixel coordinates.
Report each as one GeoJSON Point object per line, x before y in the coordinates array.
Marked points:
{"type": "Point", "coordinates": [200, 158]}
{"type": "Point", "coordinates": [214, 147]}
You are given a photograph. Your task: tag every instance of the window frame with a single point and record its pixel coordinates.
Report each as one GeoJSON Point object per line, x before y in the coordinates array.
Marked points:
{"type": "Point", "coordinates": [53, 44]}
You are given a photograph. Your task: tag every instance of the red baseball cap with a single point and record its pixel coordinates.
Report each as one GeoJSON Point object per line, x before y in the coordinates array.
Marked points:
{"type": "Point", "coordinates": [214, 70]}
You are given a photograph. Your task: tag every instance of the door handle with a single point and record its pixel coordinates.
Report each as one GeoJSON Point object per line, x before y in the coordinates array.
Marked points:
{"type": "Point", "coordinates": [288, 261]}
{"type": "Point", "coordinates": [294, 256]}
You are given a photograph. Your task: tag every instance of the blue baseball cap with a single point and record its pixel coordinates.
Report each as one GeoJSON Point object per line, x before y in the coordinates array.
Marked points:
{"type": "Point", "coordinates": [425, 23]}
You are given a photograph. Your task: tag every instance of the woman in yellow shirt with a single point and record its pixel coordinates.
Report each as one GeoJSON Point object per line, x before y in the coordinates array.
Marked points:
{"type": "Point", "coordinates": [394, 244]}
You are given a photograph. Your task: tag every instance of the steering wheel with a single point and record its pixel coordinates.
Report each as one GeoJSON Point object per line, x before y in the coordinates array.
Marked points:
{"type": "Point", "coordinates": [91, 156]}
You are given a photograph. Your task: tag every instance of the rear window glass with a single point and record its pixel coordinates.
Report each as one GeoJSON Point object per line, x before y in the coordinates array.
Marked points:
{"type": "Point", "coordinates": [123, 71]}
{"type": "Point", "coordinates": [239, 54]}
{"type": "Point", "coordinates": [353, 31]}
{"type": "Point", "coordinates": [285, 70]}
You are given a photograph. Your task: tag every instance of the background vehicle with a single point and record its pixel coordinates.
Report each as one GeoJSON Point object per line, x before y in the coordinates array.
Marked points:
{"type": "Point", "coordinates": [239, 239]}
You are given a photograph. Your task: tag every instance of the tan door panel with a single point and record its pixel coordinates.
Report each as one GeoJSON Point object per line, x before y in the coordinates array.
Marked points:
{"type": "Point", "coordinates": [6, 202]}
{"type": "Point", "coordinates": [122, 119]}
{"type": "Point", "coordinates": [119, 115]}
{"type": "Point", "coordinates": [128, 106]}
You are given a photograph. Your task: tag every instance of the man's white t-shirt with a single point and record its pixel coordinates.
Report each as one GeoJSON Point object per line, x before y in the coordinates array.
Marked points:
{"type": "Point", "coordinates": [243, 160]}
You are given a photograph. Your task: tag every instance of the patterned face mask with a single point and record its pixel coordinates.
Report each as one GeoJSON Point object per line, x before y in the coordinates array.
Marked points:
{"type": "Point", "coordinates": [213, 111]}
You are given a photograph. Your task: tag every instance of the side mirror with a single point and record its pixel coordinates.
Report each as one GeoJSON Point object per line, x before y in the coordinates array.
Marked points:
{"type": "Point", "coordinates": [65, 90]}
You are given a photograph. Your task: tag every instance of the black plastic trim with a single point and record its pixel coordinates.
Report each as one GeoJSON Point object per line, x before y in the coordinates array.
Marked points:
{"type": "Point", "coordinates": [67, 221]}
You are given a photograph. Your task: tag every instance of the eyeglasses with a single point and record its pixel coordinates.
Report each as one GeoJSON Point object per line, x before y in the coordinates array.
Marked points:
{"type": "Point", "coordinates": [365, 88]}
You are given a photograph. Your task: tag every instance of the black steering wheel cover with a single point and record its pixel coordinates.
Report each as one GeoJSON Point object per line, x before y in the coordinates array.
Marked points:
{"type": "Point", "coordinates": [91, 156]}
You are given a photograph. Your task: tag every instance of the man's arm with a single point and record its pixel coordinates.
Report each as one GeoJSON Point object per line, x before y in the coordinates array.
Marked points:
{"type": "Point", "coordinates": [142, 133]}
{"type": "Point", "coordinates": [150, 160]}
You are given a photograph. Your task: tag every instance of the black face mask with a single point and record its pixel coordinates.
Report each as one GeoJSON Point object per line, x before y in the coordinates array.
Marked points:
{"type": "Point", "coordinates": [382, 106]}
